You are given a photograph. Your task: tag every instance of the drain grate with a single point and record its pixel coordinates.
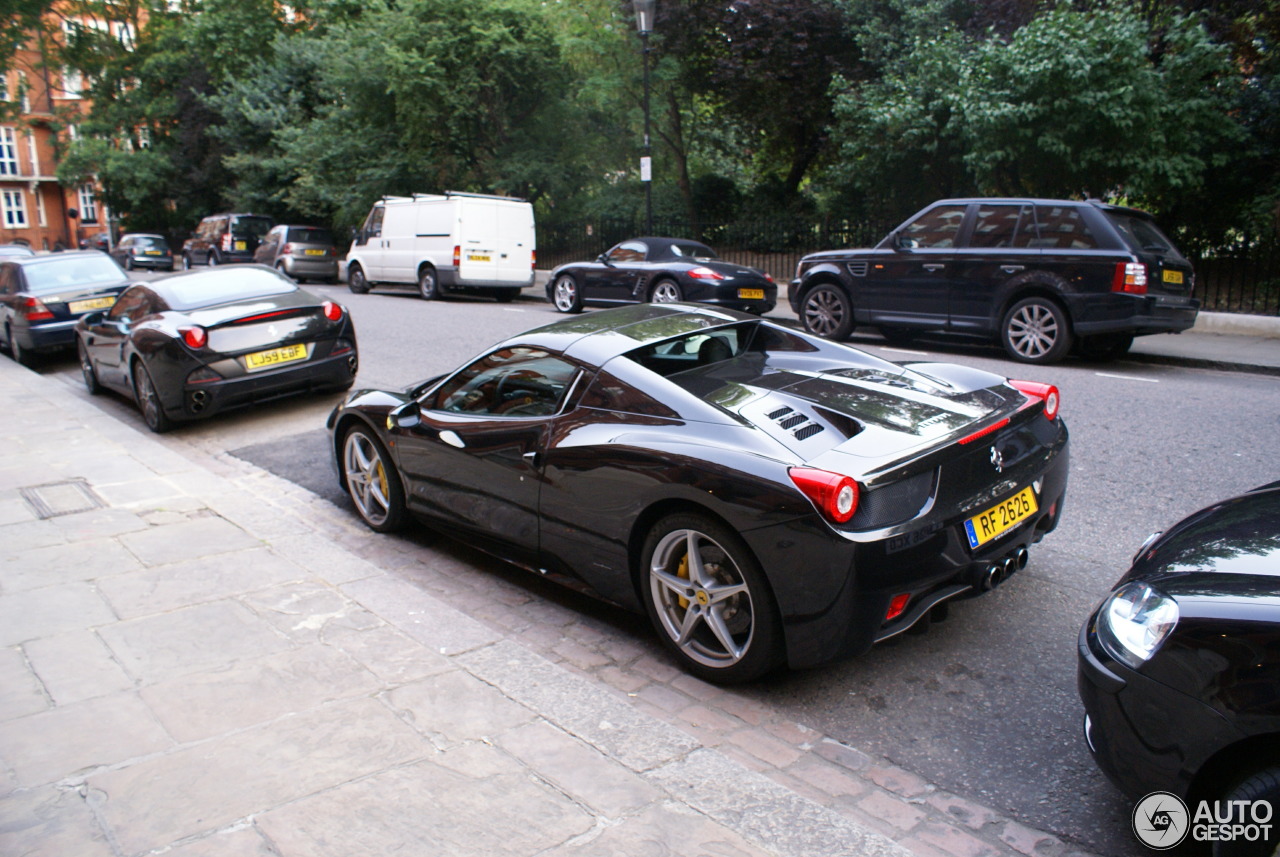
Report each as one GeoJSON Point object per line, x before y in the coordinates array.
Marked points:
{"type": "Point", "coordinates": [61, 498]}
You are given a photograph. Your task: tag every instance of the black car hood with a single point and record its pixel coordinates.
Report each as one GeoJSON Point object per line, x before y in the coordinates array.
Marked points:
{"type": "Point", "coordinates": [1231, 548]}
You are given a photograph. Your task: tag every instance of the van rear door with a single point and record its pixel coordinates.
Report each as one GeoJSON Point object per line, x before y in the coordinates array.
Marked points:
{"type": "Point", "coordinates": [495, 240]}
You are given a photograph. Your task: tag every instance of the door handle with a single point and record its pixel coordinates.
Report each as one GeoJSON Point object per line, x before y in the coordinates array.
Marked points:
{"type": "Point", "coordinates": [933, 267]}
{"type": "Point", "coordinates": [1012, 269]}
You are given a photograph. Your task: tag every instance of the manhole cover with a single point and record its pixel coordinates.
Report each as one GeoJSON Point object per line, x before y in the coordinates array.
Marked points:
{"type": "Point", "coordinates": [61, 498]}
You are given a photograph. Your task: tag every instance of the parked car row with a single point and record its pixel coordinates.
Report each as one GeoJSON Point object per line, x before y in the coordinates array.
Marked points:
{"type": "Point", "coordinates": [790, 500]}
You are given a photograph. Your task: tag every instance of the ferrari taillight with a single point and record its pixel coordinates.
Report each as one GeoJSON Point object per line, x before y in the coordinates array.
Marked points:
{"type": "Point", "coordinates": [1046, 393]}
{"type": "Point", "coordinates": [835, 494]}
{"type": "Point", "coordinates": [194, 336]}
{"type": "Point", "coordinates": [704, 273]}
{"type": "Point", "coordinates": [35, 310]}
{"type": "Point", "coordinates": [332, 311]}
{"type": "Point", "coordinates": [1130, 278]}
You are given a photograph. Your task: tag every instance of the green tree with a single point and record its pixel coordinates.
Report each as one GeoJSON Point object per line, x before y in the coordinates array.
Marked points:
{"type": "Point", "coordinates": [1074, 103]}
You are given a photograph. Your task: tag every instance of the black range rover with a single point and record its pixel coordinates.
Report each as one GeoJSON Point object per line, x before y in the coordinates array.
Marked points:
{"type": "Point", "coordinates": [1039, 275]}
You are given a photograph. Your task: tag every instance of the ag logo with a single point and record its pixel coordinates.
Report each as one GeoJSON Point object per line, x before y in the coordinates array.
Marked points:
{"type": "Point", "coordinates": [1161, 821]}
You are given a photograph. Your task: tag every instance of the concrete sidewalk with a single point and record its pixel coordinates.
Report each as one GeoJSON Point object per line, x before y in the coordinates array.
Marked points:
{"type": "Point", "coordinates": [199, 658]}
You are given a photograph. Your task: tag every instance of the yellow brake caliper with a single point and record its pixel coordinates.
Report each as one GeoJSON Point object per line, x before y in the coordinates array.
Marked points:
{"type": "Point", "coordinates": [683, 571]}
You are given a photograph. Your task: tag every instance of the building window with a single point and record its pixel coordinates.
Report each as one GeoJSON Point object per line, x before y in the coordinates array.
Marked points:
{"type": "Point", "coordinates": [40, 215]}
{"type": "Point", "coordinates": [33, 153]}
{"type": "Point", "coordinates": [88, 205]}
{"type": "Point", "coordinates": [15, 209]}
{"type": "Point", "coordinates": [8, 153]}
{"type": "Point", "coordinates": [24, 92]}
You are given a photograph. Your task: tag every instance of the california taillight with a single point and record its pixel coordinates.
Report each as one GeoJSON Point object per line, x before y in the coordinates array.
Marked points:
{"type": "Point", "coordinates": [834, 494]}
{"type": "Point", "coordinates": [35, 310]}
{"type": "Point", "coordinates": [769, 277]}
{"type": "Point", "coordinates": [704, 273]}
{"type": "Point", "coordinates": [194, 336]}
{"type": "Point", "coordinates": [1130, 278]}
{"type": "Point", "coordinates": [1035, 392]}
{"type": "Point", "coordinates": [332, 311]}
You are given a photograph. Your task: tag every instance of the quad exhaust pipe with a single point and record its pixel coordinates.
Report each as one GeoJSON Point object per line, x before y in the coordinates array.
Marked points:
{"type": "Point", "coordinates": [199, 398]}
{"type": "Point", "coordinates": [1000, 570]}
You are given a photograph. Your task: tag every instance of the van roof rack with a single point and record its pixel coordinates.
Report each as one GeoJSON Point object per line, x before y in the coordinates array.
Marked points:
{"type": "Point", "coordinates": [485, 196]}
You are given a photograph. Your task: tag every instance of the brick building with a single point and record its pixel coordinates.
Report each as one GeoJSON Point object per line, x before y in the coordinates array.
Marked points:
{"type": "Point", "coordinates": [44, 105]}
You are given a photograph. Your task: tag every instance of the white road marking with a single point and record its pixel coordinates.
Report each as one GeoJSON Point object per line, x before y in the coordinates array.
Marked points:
{"type": "Point", "coordinates": [1127, 377]}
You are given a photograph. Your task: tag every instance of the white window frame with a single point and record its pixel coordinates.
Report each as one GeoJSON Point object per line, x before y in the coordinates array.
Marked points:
{"type": "Point", "coordinates": [24, 92]}
{"type": "Point", "coordinates": [13, 209]}
{"type": "Point", "coordinates": [33, 153]}
{"type": "Point", "coordinates": [88, 205]}
{"type": "Point", "coordinates": [41, 218]}
{"type": "Point", "coordinates": [8, 152]}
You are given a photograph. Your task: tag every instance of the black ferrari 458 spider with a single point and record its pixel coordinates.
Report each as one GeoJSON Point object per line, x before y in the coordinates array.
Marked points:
{"type": "Point", "coordinates": [192, 345]}
{"type": "Point", "coordinates": [766, 496]}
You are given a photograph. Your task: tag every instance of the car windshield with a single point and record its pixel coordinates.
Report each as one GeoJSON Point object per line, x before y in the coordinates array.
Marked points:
{"type": "Point", "coordinates": [54, 273]}
{"type": "Point", "coordinates": [224, 285]}
{"type": "Point", "coordinates": [247, 225]}
{"type": "Point", "coordinates": [309, 235]}
{"type": "Point", "coordinates": [1142, 235]}
{"type": "Point", "coordinates": [154, 242]}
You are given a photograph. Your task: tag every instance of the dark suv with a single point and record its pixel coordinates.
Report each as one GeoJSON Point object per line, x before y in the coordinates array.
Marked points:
{"type": "Point", "coordinates": [1039, 275]}
{"type": "Point", "coordinates": [222, 239]}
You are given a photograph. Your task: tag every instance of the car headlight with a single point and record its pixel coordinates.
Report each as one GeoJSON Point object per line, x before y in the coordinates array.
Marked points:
{"type": "Point", "coordinates": [1134, 622]}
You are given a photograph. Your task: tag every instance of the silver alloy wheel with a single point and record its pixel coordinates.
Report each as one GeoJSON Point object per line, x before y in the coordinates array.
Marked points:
{"type": "Point", "coordinates": [367, 481]}
{"type": "Point", "coordinates": [824, 312]}
{"type": "Point", "coordinates": [1033, 331]}
{"type": "Point", "coordinates": [86, 369]}
{"type": "Point", "coordinates": [702, 598]}
{"type": "Point", "coordinates": [666, 292]}
{"type": "Point", "coordinates": [565, 293]}
{"type": "Point", "coordinates": [148, 399]}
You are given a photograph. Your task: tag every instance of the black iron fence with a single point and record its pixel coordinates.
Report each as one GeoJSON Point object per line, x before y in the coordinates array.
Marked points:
{"type": "Point", "coordinates": [1242, 276]}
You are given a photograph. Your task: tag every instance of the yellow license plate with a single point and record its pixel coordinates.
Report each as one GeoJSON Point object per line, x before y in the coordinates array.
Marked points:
{"type": "Point", "coordinates": [751, 294]}
{"type": "Point", "coordinates": [242, 245]}
{"type": "Point", "coordinates": [151, 252]}
{"type": "Point", "coordinates": [274, 357]}
{"type": "Point", "coordinates": [472, 257]}
{"type": "Point", "coordinates": [90, 304]}
{"type": "Point", "coordinates": [1001, 518]}
{"type": "Point", "coordinates": [313, 252]}
{"type": "Point", "coordinates": [1174, 277]}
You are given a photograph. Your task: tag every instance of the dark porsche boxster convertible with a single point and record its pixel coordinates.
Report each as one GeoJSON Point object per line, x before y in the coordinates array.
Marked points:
{"type": "Point", "coordinates": [766, 495]}
{"type": "Point", "coordinates": [661, 270]}
{"type": "Point", "coordinates": [192, 345]}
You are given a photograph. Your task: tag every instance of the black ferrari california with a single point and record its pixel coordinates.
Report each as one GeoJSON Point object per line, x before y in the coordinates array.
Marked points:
{"type": "Point", "coordinates": [661, 270]}
{"type": "Point", "coordinates": [1179, 672]}
{"type": "Point", "coordinates": [191, 345]}
{"type": "Point", "coordinates": [766, 496]}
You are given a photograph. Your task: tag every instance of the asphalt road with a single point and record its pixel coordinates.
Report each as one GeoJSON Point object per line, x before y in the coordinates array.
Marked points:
{"type": "Point", "coordinates": [984, 704]}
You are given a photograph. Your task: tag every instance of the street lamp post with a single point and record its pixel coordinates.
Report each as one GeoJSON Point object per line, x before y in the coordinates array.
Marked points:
{"type": "Point", "coordinates": [644, 24]}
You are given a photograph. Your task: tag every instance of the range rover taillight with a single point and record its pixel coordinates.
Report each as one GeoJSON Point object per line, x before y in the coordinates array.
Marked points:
{"type": "Point", "coordinates": [1130, 278]}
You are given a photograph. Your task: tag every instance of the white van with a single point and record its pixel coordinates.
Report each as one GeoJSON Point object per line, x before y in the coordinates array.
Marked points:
{"type": "Point", "coordinates": [458, 242]}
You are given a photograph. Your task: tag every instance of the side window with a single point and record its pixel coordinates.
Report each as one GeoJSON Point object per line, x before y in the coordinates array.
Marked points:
{"type": "Point", "coordinates": [938, 228]}
{"type": "Point", "coordinates": [373, 226]}
{"type": "Point", "coordinates": [515, 382]}
{"type": "Point", "coordinates": [1003, 226]}
{"type": "Point", "coordinates": [8, 274]}
{"type": "Point", "coordinates": [628, 251]}
{"type": "Point", "coordinates": [1062, 228]}
{"type": "Point", "coordinates": [131, 306]}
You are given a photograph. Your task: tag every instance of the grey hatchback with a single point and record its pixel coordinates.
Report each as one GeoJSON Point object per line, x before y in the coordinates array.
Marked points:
{"type": "Point", "coordinates": [301, 252]}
